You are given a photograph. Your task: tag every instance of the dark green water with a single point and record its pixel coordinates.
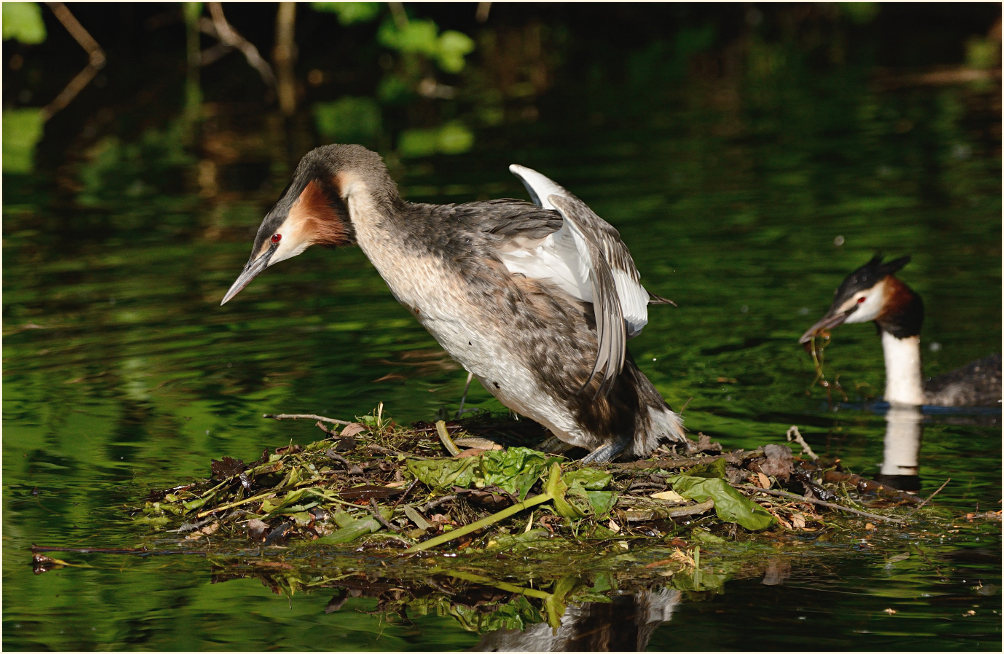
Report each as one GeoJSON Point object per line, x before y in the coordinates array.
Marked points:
{"type": "Point", "coordinates": [747, 206]}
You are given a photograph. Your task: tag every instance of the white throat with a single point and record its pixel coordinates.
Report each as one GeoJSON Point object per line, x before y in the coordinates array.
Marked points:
{"type": "Point", "coordinates": [902, 370]}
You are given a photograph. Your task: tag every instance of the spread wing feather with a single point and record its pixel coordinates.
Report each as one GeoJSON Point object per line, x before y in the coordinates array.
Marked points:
{"type": "Point", "coordinates": [587, 259]}
{"type": "Point", "coordinates": [611, 334]}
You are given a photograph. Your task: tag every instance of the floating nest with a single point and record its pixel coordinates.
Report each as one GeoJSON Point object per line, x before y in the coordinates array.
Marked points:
{"type": "Point", "coordinates": [469, 485]}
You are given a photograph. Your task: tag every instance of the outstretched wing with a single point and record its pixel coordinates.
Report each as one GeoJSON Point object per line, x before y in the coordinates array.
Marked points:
{"type": "Point", "coordinates": [587, 259]}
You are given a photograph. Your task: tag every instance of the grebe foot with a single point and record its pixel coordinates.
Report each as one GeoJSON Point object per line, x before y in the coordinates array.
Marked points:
{"type": "Point", "coordinates": [605, 453]}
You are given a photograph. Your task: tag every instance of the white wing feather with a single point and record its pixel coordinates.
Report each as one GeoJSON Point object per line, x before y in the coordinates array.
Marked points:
{"type": "Point", "coordinates": [563, 257]}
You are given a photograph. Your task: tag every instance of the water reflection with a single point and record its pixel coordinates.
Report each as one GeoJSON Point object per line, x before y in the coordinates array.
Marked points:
{"type": "Point", "coordinates": [901, 453]}
{"type": "Point", "coordinates": [623, 624]}
{"type": "Point", "coordinates": [902, 456]}
{"type": "Point", "coordinates": [588, 612]}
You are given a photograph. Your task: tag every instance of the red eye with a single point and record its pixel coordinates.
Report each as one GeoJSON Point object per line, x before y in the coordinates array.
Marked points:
{"type": "Point", "coordinates": [860, 299]}
{"type": "Point", "coordinates": [276, 238]}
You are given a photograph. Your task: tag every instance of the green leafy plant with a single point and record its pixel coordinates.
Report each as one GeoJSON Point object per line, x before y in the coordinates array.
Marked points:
{"type": "Point", "coordinates": [22, 21]}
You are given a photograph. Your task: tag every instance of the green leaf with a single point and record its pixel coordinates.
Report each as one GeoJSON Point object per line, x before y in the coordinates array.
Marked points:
{"type": "Point", "coordinates": [515, 469]}
{"type": "Point", "coordinates": [22, 21]}
{"type": "Point", "coordinates": [698, 535]}
{"type": "Point", "coordinates": [440, 474]}
{"type": "Point", "coordinates": [730, 504]}
{"type": "Point", "coordinates": [698, 582]}
{"type": "Point", "coordinates": [394, 90]}
{"type": "Point", "coordinates": [585, 485]}
{"type": "Point", "coordinates": [194, 504]}
{"type": "Point", "coordinates": [298, 508]}
{"type": "Point", "coordinates": [518, 614]}
{"type": "Point", "coordinates": [449, 138]}
{"type": "Point", "coordinates": [453, 46]}
{"type": "Point", "coordinates": [22, 130]}
{"type": "Point", "coordinates": [554, 604]}
{"type": "Point", "coordinates": [349, 12]}
{"type": "Point", "coordinates": [348, 120]}
{"type": "Point", "coordinates": [588, 479]}
{"type": "Point", "coordinates": [603, 583]}
{"type": "Point", "coordinates": [534, 539]}
{"type": "Point", "coordinates": [161, 508]}
{"type": "Point", "coordinates": [269, 507]}
{"type": "Point", "coordinates": [455, 138]}
{"type": "Point", "coordinates": [715, 470]}
{"type": "Point", "coordinates": [343, 518]}
{"type": "Point", "coordinates": [601, 503]}
{"type": "Point", "coordinates": [351, 532]}
{"type": "Point", "coordinates": [301, 518]}
{"type": "Point", "coordinates": [419, 36]}
{"type": "Point", "coordinates": [353, 528]}
{"type": "Point", "coordinates": [556, 488]}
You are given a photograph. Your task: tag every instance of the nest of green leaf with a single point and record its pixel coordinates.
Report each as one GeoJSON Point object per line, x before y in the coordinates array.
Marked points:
{"type": "Point", "coordinates": [372, 484]}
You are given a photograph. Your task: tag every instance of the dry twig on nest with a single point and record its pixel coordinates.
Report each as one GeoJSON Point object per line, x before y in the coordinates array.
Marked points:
{"type": "Point", "coordinates": [305, 416]}
{"type": "Point", "coordinates": [812, 500]}
{"type": "Point", "coordinates": [795, 436]}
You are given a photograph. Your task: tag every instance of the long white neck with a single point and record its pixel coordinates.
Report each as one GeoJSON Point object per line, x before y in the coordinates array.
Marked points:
{"type": "Point", "coordinates": [902, 370]}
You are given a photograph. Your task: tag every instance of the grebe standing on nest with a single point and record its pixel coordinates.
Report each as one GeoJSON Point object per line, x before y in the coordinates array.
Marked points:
{"type": "Point", "coordinates": [872, 292]}
{"type": "Point", "coordinates": [536, 300]}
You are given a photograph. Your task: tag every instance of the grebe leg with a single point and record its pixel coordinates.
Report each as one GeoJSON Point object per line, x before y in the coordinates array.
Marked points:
{"type": "Point", "coordinates": [463, 397]}
{"type": "Point", "coordinates": [553, 445]}
{"type": "Point", "coordinates": [605, 453]}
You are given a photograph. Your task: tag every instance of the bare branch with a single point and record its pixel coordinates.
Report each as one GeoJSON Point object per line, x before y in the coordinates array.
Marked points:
{"type": "Point", "coordinates": [305, 416]}
{"type": "Point", "coordinates": [812, 500]}
{"type": "Point", "coordinates": [794, 435]}
{"type": "Point", "coordinates": [95, 60]}
{"type": "Point", "coordinates": [225, 32]}
{"type": "Point", "coordinates": [284, 55]}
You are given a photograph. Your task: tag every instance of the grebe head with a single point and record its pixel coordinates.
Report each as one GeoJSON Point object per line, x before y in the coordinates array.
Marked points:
{"type": "Point", "coordinates": [314, 208]}
{"type": "Point", "coordinates": [872, 293]}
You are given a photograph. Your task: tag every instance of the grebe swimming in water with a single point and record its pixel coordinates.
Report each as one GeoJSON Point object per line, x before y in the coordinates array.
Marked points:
{"type": "Point", "coordinates": [536, 300]}
{"type": "Point", "coordinates": [872, 292]}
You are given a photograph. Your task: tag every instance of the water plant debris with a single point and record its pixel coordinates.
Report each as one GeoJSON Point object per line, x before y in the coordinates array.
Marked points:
{"type": "Point", "coordinates": [374, 484]}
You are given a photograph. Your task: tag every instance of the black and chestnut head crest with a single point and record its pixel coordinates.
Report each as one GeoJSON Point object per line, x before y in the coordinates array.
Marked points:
{"type": "Point", "coordinates": [316, 207]}
{"type": "Point", "coordinates": [867, 276]}
{"type": "Point", "coordinates": [872, 292]}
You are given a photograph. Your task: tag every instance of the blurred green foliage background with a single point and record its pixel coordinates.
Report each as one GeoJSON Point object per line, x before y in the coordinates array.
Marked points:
{"type": "Point", "coordinates": [227, 82]}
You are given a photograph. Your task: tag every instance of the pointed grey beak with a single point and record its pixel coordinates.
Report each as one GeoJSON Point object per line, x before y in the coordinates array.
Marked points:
{"type": "Point", "coordinates": [826, 322]}
{"type": "Point", "coordinates": [251, 270]}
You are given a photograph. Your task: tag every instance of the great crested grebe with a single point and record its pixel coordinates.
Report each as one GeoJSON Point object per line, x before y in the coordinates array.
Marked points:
{"type": "Point", "coordinates": [536, 300]}
{"type": "Point", "coordinates": [872, 293]}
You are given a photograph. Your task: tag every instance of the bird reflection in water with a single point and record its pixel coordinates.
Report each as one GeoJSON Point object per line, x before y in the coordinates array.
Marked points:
{"type": "Point", "coordinates": [625, 624]}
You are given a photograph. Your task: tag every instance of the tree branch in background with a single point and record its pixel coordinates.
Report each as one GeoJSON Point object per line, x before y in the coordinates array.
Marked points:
{"type": "Point", "coordinates": [284, 56]}
{"type": "Point", "coordinates": [96, 60]}
{"type": "Point", "coordinates": [219, 28]}
{"type": "Point", "coordinates": [398, 14]}
{"type": "Point", "coordinates": [481, 13]}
